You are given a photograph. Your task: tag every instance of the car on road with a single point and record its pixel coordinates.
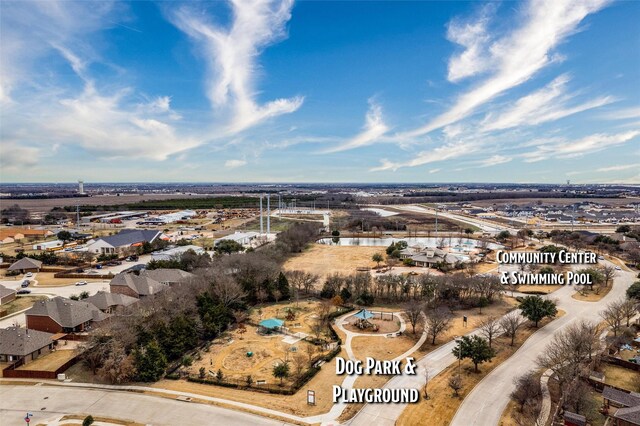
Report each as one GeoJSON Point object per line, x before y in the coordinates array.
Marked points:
{"type": "Point", "coordinates": [28, 274]}
{"type": "Point", "coordinates": [600, 257]}
{"type": "Point", "coordinates": [618, 268]}
{"type": "Point", "coordinates": [25, 283]}
{"type": "Point", "coordinates": [82, 283]}
{"type": "Point", "coordinates": [24, 291]}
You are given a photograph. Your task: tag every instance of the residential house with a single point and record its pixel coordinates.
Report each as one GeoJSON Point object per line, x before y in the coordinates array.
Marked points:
{"type": "Point", "coordinates": [26, 264]}
{"type": "Point", "coordinates": [573, 419]}
{"type": "Point", "coordinates": [62, 315]}
{"type": "Point", "coordinates": [428, 257]}
{"type": "Point", "coordinates": [110, 303]}
{"type": "Point", "coordinates": [175, 252]}
{"type": "Point", "coordinates": [23, 344]}
{"type": "Point", "coordinates": [168, 276]}
{"type": "Point", "coordinates": [127, 238]}
{"type": "Point", "coordinates": [135, 285]}
{"type": "Point", "coordinates": [6, 295]}
{"type": "Point", "coordinates": [623, 407]}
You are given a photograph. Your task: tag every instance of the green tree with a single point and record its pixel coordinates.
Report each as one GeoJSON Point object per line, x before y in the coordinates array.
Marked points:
{"type": "Point", "coordinates": [281, 371]}
{"type": "Point", "coordinates": [335, 233]}
{"type": "Point", "coordinates": [623, 229]}
{"type": "Point", "coordinates": [88, 421]}
{"type": "Point", "coordinates": [282, 285]}
{"type": "Point", "coordinates": [633, 292]}
{"type": "Point", "coordinates": [377, 257]}
{"type": "Point", "coordinates": [535, 308]}
{"type": "Point", "coordinates": [475, 348]}
{"type": "Point", "coordinates": [150, 362]}
{"type": "Point", "coordinates": [64, 236]}
{"type": "Point", "coordinates": [469, 231]}
{"type": "Point", "coordinates": [219, 375]}
{"type": "Point", "coordinates": [84, 295]}
{"type": "Point", "coordinates": [228, 247]}
{"type": "Point", "coordinates": [503, 236]}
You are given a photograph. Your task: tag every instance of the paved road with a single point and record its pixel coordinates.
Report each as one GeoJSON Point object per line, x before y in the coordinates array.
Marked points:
{"type": "Point", "coordinates": [48, 403]}
{"type": "Point", "coordinates": [65, 291]}
{"type": "Point", "coordinates": [485, 404]}
{"type": "Point", "coordinates": [485, 226]}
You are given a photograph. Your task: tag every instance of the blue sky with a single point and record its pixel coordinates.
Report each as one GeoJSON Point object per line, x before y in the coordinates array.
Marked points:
{"type": "Point", "coordinates": [265, 90]}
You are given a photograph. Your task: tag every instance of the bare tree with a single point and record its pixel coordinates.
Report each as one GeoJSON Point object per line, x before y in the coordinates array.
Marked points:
{"type": "Point", "coordinates": [302, 280]}
{"type": "Point", "coordinates": [227, 290]}
{"type": "Point", "coordinates": [489, 328]}
{"type": "Point", "coordinates": [608, 273]}
{"type": "Point", "coordinates": [628, 308]}
{"type": "Point", "coordinates": [455, 383]}
{"type": "Point", "coordinates": [511, 323]}
{"type": "Point", "coordinates": [311, 350]}
{"type": "Point", "coordinates": [570, 351]}
{"type": "Point", "coordinates": [299, 363]}
{"type": "Point", "coordinates": [527, 387]}
{"type": "Point", "coordinates": [437, 323]}
{"type": "Point", "coordinates": [613, 314]}
{"type": "Point", "coordinates": [413, 310]}
{"type": "Point", "coordinates": [117, 367]}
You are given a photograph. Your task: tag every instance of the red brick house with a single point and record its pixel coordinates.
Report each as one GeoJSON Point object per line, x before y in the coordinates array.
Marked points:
{"type": "Point", "coordinates": [61, 315]}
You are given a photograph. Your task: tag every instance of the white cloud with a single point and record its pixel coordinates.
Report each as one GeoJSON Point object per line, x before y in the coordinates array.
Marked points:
{"type": "Point", "coordinates": [15, 156]}
{"type": "Point", "coordinates": [432, 171]}
{"type": "Point", "coordinates": [543, 105]}
{"type": "Point", "coordinates": [108, 126]}
{"type": "Point", "coordinates": [441, 153]}
{"type": "Point", "coordinates": [576, 148]}
{"type": "Point", "coordinates": [232, 56]}
{"type": "Point", "coordinates": [618, 168]}
{"type": "Point", "coordinates": [518, 55]}
{"type": "Point", "coordinates": [374, 128]}
{"type": "Point", "coordinates": [232, 164]}
{"type": "Point", "coordinates": [494, 161]}
{"type": "Point", "coordinates": [474, 37]}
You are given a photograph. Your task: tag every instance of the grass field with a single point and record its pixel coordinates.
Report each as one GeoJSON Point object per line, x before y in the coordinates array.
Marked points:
{"type": "Point", "coordinates": [324, 260]}
{"type": "Point", "coordinates": [443, 404]}
{"type": "Point", "coordinates": [622, 377]}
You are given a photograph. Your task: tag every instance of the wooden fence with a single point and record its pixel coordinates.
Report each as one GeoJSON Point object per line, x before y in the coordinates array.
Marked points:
{"type": "Point", "coordinates": [12, 371]}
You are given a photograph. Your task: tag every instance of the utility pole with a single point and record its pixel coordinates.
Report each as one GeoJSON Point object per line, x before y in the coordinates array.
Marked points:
{"type": "Point", "coordinates": [268, 213]}
{"type": "Point", "coordinates": [261, 225]}
{"type": "Point", "coordinates": [436, 224]}
{"type": "Point", "coordinates": [78, 217]}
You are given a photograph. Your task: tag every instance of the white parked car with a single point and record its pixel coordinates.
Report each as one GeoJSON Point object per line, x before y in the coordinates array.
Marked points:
{"type": "Point", "coordinates": [618, 268]}
{"type": "Point", "coordinates": [82, 283]}
{"type": "Point", "coordinates": [28, 274]}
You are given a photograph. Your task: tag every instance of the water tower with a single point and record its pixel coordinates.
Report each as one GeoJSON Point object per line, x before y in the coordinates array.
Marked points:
{"type": "Point", "coordinates": [81, 187]}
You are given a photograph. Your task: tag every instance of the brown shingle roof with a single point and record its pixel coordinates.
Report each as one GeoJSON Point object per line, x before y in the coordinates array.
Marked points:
{"type": "Point", "coordinates": [66, 312]}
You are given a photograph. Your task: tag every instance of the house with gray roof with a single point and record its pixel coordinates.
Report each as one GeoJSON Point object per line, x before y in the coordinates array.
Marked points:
{"type": "Point", "coordinates": [123, 240]}
{"type": "Point", "coordinates": [111, 302]}
{"type": "Point", "coordinates": [428, 257]}
{"type": "Point", "coordinates": [623, 407]}
{"type": "Point", "coordinates": [19, 343]}
{"type": "Point", "coordinates": [168, 276]}
{"type": "Point", "coordinates": [26, 264]}
{"type": "Point", "coordinates": [6, 295]}
{"type": "Point", "coordinates": [62, 315]}
{"type": "Point", "coordinates": [136, 285]}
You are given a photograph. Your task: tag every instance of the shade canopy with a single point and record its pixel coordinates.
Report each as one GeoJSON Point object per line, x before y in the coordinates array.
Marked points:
{"type": "Point", "coordinates": [271, 323]}
{"type": "Point", "coordinates": [364, 314]}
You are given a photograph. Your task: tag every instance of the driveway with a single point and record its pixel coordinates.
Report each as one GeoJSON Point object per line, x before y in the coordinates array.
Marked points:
{"type": "Point", "coordinates": [48, 403]}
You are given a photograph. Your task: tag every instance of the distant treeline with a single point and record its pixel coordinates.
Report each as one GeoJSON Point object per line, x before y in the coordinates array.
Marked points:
{"type": "Point", "coordinates": [447, 197]}
{"type": "Point", "coordinates": [224, 202]}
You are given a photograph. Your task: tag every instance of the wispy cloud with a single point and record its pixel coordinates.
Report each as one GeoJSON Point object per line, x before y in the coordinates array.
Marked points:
{"type": "Point", "coordinates": [232, 56]}
{"type": "Point", "coordinates": [374, 128]}
{"type": "Point", "coordinates": [579, 147]}
{"type": "Point", "coordinates": [232, 164]}
{"type": "Point", "coordinates": [546, 104]}
{"type": "Point", "coordinates": [618, 168]}
{"type": "Point", "coordinates": [494, 160]}
{"type": "Point", "coordinates": [441, 153]}
{"type": "Point", "coordinates": [516, 56]}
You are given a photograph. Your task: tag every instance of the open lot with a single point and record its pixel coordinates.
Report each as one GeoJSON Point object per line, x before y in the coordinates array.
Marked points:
{"type": "Point", "coordinates": [621, 377]}
{"type": "Point", "coordinates": [324, 260]}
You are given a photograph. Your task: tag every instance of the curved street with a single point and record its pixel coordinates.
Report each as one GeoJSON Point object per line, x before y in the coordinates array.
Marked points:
{"type": "Point", "coordinates": [485, 404]}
